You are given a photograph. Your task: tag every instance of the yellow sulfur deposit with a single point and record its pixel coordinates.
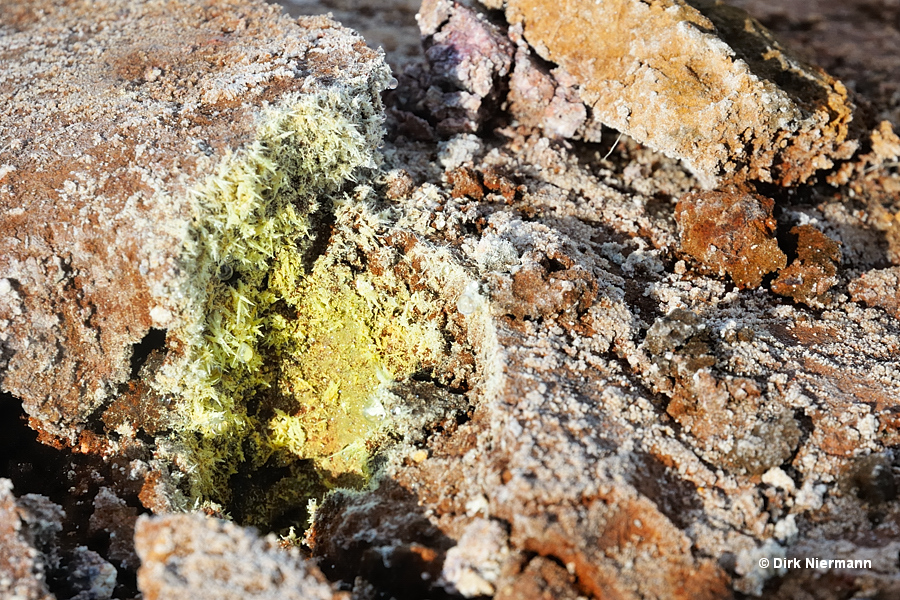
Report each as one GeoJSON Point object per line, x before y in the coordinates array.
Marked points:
{"type": "Point", "coordinates": [285, 366]}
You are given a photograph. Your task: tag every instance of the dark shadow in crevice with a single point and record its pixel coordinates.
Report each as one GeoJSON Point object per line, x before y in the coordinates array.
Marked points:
{"type": "Point", "coordinates": [155, 339]}
{"type": "Point", "coordinates": [674, 497]}
{"type": "Point", "coordinates": [401, 554]}
{"type": "Point", "coordinates": [321, 227]}
{"type": "Point", "coordinates": [69, 480]}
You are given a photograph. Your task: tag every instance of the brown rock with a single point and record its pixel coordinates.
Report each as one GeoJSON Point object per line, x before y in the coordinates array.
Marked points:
{"type": "Point", "coordinates": [809, 277]}
{"type": "Point", "coordinates": [191, 556]}
{"type": "Point", "coordinates": [699, 81]}
{"type": "Point", "coordinates": [114, 517]}
{"type": "Point", "coordinates": [730, 233]}
{"type": "Point", "coordinates": [465, 183]}
{"type": "Point", "coordinates": [99, 150]}
{"type": "Point", "coordinates": [541, 578]}
{"type": "Point", "coordinates": [879, 287]}
{"type": "Point", "coordinates": [382, 538]}
{"type": "Point", "coordinates": [732, 425]}
{"type": "Point", "coordinates": [728, 419]}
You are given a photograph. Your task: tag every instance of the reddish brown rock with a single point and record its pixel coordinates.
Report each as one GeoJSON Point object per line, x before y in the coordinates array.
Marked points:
{"type": "Point", "coordinates": [809, 277]}
{"type": "Point", "coordinates": [465, 183]}
{"type": "Point", "coordinates": [880, 287]}
{"type": "Point", "coordinates": [730, 232]}
{"type": "Point", "coordinates": [115, 518]}
{"type": "Point", "coordinates": [541, 578]}
{"type": "Point", "coordinates": [103, 130]}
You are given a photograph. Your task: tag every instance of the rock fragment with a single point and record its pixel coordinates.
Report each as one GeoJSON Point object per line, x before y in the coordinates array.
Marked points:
{"type": "Point", "coordinates": [547, 99]}
{"type": "Point", "coordinates": [728, 417]}
{"type": "Point", "coordinates": [23, 572]}
{"type": "Point", "coordinates": [90, 577]}
{"type": "Point", "coordinates": [878, 287]}
{"type": "Point", "coordinates": [731, 232]}
{"type": "Point", "coordinates": [191, 556]}
{"type": "Point", "coordinates": [468, 57]}
{"type": "Point", "coordinates": [697, 80]}
{"type": "Point", "coordinates": [809, 277]}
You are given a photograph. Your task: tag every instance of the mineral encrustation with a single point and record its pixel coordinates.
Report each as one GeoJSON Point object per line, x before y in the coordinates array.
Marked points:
{"type": "Point", "coordinates": [514, 348]}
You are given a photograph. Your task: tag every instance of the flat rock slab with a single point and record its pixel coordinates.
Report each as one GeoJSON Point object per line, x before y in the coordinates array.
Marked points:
{"type": "Point", "coordinates": [110, 112]}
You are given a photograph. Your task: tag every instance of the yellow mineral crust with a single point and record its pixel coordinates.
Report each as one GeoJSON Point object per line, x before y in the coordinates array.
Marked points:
{"type": "Point", "coordinates": [252, 219]}
{"type": "Point", "coordinates": [113, 116]}
{"type": "Point", "coordinates": [186, 155]}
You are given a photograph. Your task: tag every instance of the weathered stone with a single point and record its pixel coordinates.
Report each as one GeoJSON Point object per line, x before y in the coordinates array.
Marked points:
{"type": "Point", "coordinates": [809, 277]}
{"type": "Point", "coordinates": [23, 573]}
{"type": "Point", "coordinates": [99, 153]}
{"type": "Point", "coordinates": [468, 57]}
{"type": "Point", "coordinates": [541, 578]}
{"type": "Point", "coordinates": [731, 233]}
{"type": "Point", "coordinates": [545, 100]}
{"type": "Point", "coordinates": [191, 556]}
{"type": "Point", "coordinates": [89, 577]}
{"type": "Point", "coordinates": [879, 287]}
{"type": "Point", "coordinates": [605, 421]}
{"type": "Point", "coordinates": [697, 80]}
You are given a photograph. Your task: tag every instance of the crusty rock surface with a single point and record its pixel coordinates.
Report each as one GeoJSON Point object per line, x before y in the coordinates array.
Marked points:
{"type": "Point", "coordinates": [390, 26]}
{"type": "Point", "coordinates": [878, 287]}
{"type": "Point", "coordinates": [23, 572]}
{"type": "Point", "coordinates": [699, 81]}
{"type": "Point", "coordinates": [191, 556]}
{"type": "Point", "coordinates": [629, 422]}
{"type": "Point", "coordinates": [644, 424]}
{"type": "Point", "coordinates": [809, 277]}
{"type": "Point", "coordinates": [109, 114]}
{"type": "Point", "coordinates": [731, 233]}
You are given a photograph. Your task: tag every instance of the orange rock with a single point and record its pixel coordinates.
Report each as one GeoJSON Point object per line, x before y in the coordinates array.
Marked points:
{"type": "Point", "coordinates": [731, 233]}
{"type": "Point", "coordinates": [814, 271]}
{"type": "Point", "coordinates": [699, 81]}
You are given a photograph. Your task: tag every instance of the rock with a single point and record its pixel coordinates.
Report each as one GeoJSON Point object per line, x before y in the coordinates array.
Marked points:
{"type": "Point", "coordinates": [90, 577]}
{"type": "Point", "coordinates": [23, 572]}
{"type": "Point", "coordinates": [731, 233]}
{"type": "Point", "coordinates": [630, 407]}
{"type": "Point", "coordinates": [546, 100]}
{"type": "Point", "coordinates": [878, 287]}
{"type": "Point", "coordinates": [491, 369]}
{"type": "Point", "coordinates": [191, 556]}
{"type": "Point", "coordinates": [541, 578]}
{"type": "Point", "coordinates": [102, 162]}
{"type": "Point", "coordinates": [809, 277]}
{"type": "Point", "coordinates": [469, 56]}
{"type": "Point", "coordinates": [113, 516]}
{"type": "Point", "coordinates": [700, 81]}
